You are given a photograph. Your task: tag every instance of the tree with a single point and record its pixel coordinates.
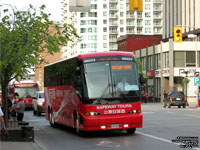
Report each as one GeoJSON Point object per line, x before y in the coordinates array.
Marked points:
{"type": "Point", "coordinates": [23, 36]}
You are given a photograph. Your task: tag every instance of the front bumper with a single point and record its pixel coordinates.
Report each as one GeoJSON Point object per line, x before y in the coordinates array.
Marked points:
{"type": "Point", "coordinates": [111, 122]}
{"type": "Point", "coordinates": [178, 103]}
{"type": "Point", "coordinates": [41, 109]}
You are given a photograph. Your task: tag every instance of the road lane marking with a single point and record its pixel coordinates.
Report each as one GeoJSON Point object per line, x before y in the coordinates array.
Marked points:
{"type": "Point", "coordinates": [171, 125]}
{"type": "Point", "coordinates": [192, 115]}
{"type": "Point", "coordinates": [37, 120]}
{"type": "Point", "coordinates": [170, 112]}
{"type": "Point", "coordinates": [148, 112]}
{"type": "Point", "coordinates": [161, 139]}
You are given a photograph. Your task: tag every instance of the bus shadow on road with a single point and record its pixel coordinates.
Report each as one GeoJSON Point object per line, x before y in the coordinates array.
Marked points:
{"type": "Point", "coordinates": [92, 134]}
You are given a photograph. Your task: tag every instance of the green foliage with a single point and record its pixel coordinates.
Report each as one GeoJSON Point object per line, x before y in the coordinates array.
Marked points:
{"type": "Point", "coordinates": [186, 80]}
{"type": "Point", "coordinates": [24, 35]}
{"type": "Point", "coordinates": [139, 65]}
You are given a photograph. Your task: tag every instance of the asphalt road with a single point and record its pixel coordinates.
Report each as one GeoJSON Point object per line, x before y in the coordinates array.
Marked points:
{"type": "Point", "coordinates": [161, 126]}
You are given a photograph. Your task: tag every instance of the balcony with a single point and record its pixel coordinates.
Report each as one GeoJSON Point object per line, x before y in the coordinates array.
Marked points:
{"type": "Point", "coordinates": [157, 1]}
{"type": "Point", "coordinates": [113, 16]}
{"type": "Point", "coordinates": [113, 40]}
{"type": "Point", "coordinates": [113, 31]}
{"type": "Point", "coordinates": [113, 1]}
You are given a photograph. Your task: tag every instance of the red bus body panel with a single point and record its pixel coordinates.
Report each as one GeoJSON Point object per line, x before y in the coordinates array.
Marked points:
{"type": "Point", "coordinates": [63, 102]}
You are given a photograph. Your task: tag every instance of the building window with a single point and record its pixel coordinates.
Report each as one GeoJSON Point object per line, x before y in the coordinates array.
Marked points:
{"type": "Point", "coordinates": [83, 30]}
{"type": "Point", "coordinates": [83, 22]}
{"type": "Point", "coordinates": [147, 14]}
{"type": "Point", "coordinates": [104, 21]}
{"type": "Point", "coordinates": [147, 22]}
{"type": "Point", "coordinates": [121, 14]}
{"type": "Point", "coordinates": [190, 59]}
{"type": "Point", "coordinates": [147, 7]}
{"type": "Point", "coordinates": [93, 6]}
{"type": "Point", "coordinates": [147, 30]}
{"type": "Point", "coordinates": [121, 6]}
{"type": "Point", "coordinates": [104, 6]}
{"type": "Point", "coordinates": [104, 29]}
{"type": "Point", "coordinates": [166, 59]}
{"type": "Point", "coordinates": [92, 22]}
{"type": "Point", "coordinates": [121, 29]}
{"type": "Point", "coordinates": [83, 15]}
{"type": "Point", "coordinates": [104, 45]}
{"type": "Point", "coordinates": [83, 46]}
{"type": "Point", "coordinates": [179, 59]}
{"type": "Point", "coordinates": [121, 22]}
{"type": "Point", "coordinates": [104, 13]}
{"type": "Point", "coordinates": [105, 37]}
{"type": "Point", "coordinates": [92, 14]}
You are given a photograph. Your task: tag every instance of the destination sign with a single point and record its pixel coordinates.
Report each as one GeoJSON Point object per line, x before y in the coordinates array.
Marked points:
{"type": "Point", "coordinates": [26, 85]}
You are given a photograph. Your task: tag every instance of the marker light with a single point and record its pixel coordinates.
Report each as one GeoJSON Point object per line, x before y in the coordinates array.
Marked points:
{"type": "Point", "coordinates": [126, 126]}
{"type": "Point", "coordinates": [92, 114]}
{"type": "Point", "coordinates": [135, 111]}
{"type": "Point", "coordinates": [103, 127]}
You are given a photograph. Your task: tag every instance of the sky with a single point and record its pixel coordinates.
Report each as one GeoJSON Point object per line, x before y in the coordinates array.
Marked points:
{"type": "Point", "coordinates": [52, 6]}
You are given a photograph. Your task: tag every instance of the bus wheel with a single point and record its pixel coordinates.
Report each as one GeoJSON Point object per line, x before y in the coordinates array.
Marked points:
{"type": "Point", "coordinates": [78, 131]}
{"type": "Point", "coordinates": [131, 131]}
{"type": "Point", "coordinates": [51, 119]}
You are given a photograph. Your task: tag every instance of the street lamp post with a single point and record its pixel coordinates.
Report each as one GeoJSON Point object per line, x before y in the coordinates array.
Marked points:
{"type": "Point", "coordinates": [186, 73]}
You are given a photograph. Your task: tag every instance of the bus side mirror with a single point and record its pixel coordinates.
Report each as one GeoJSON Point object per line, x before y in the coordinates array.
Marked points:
{"type": "Point", "coordinates": [142, 80]}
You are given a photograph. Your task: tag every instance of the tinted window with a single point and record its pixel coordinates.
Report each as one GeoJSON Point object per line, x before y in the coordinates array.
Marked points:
{"type": "Point", "coordinates": [176, 94]}
{"type": "Point", "coordinates": [41, 95]}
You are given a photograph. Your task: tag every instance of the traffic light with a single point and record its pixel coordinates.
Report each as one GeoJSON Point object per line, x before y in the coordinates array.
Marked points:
{"type": "Point", "coordinates": [177, 34]}
{"type": "Point", "coordinates": [136, 5]}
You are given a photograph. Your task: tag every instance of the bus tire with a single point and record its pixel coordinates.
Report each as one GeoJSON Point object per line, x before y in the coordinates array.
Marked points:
{"type": "Point", "coordinates": [77, 123]}
{"type": "Point", "coordinates": [51, 119]}
{"type": "Point", "coordinates": [131, 131]}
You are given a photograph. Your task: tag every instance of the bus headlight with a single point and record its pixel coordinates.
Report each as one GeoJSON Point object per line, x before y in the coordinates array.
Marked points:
{"type": "Point", "coordinates": [135, 111]}
{"type": "Point", "coordinates": [92, 113]}
{"type": "Point", "coordinates": [39, 103]}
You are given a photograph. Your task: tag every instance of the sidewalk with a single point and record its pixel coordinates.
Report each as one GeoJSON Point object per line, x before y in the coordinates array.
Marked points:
{"type": "Point", "coordinates": [20, 146]}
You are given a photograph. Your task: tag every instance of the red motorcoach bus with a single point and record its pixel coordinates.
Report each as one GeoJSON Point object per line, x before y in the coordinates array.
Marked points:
{"type": "Point", "coordinates": [83, 93]}
{"type": "Point", "coordinates": [25, 89]}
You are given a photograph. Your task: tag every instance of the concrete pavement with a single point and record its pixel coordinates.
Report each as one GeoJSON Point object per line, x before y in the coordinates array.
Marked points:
{"type": "Point", "coordinates": [20, 146]}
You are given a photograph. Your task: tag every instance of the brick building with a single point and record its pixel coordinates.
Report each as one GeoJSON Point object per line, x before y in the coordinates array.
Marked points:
{"type": "Point", "coordinates": [135, 42]}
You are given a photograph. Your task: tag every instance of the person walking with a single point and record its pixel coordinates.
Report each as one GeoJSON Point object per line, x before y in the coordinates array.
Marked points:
{"type": "Point", "coordinates": [145, 97]}
{"type": "Point", "coordinates": [20, 107]}
{"type": "Point", "coordinates": [3, 127]}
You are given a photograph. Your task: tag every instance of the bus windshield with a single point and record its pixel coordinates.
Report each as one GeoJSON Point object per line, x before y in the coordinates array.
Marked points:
{"type": "Point", "coordinates": [26, 92]}
{"type": "Point", "coordinates": [112, 80]}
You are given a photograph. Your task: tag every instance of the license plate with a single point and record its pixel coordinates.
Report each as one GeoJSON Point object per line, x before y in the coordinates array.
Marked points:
{"type": "Point", "coordinates": [114, 126]}
{"type": "Point", "coordinates": [178, 98]}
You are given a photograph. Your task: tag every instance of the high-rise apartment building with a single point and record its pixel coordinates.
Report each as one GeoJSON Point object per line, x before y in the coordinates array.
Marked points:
{"type": "Point", "coordinates": [184, 13]}
{"type": "Point", "coordinates": [110, 19]}
{"type": "Point", "coordinates": [70, 18]}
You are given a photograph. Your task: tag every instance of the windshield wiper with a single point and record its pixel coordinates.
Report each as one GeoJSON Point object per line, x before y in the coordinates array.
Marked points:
{"type": "Point", "coordinates": [103, 94]}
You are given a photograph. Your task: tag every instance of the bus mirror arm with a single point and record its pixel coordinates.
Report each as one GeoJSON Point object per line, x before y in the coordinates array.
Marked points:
{"type": "Point", "coordinates": [78, 82]}
{"type": "Point", "coordinates": [142, 80]}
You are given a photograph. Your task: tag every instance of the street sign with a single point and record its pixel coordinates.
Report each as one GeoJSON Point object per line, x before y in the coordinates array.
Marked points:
{"type": "Point", "coordinates": [196, 81]}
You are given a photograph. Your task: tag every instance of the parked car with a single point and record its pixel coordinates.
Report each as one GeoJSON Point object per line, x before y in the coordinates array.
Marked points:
{"type": "Point", "coordinates": [38, 103]}
{"type": "Point", "coordinates": [175, 98]}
